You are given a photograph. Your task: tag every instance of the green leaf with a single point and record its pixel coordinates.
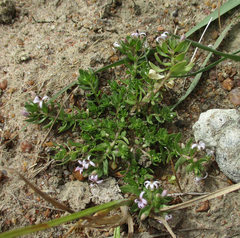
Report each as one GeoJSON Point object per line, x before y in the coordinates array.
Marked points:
{"type": "Point", "coordinates": [178, 67]}
{"type": "Point", "coordinates": [156, 68]}
{"type": "Point", "coordinates": [130, 189]}
{"type": "Point", "coordinates": [105, 167]}
{"type": "Point", "coordinates": [180, 161]}
{"type": "Point", "coordinates": [180, 57]}
{"type": "Point", "coordinates": [165, 47]}
{"type": "Point", "coordinates": [146, 210]}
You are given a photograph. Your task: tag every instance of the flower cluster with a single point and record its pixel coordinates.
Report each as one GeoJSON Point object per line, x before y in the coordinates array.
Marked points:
{"type": "Point", "coordinates": [94, 179]}
{"type": "Point", "coordinates": [85, 164]}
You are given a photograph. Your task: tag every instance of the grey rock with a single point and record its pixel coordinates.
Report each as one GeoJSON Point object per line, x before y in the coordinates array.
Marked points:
{"type": "Point", "coordinates": [106, 192]}
{"type": "Point", "coordinates": [7, 11]}
{"type": "Point", "coordinates": [77, 194]}
{"type": "Point", "coordinates": [219, 129]}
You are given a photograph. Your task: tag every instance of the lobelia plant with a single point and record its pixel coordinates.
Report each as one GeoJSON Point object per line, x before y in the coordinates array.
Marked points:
{"type": "Point", "coordinates": [124, 125]}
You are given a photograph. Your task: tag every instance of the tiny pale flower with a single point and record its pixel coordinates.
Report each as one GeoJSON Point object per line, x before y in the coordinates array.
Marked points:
{"type": "Point", "coordinates": [137, 34]}
{"type": "Point", "coordinates": [142, 202]}
{"type": "Point", "coordinates": [94, 179]}
{"type": "Point", "coordinates": [167, 217]}
{"type": "Point", "coordinates": [40, 100]}
{"type": "Point", "coordinates": [151, 185]}
{"type": "Point", "coordinates": [197, 179]}
{"type": "Point", "coordinates": [153, 75]}
{"type": "Point", "coordinates": [163, 36]}
{"type": "Point", "coordinates": [200, 146]}
{"type": "Point", "coordinates": [80, 169]}
{"type": "Point", "coordinates": [116, 45]}
{"type": "Point", "coordinates": [86, 162]}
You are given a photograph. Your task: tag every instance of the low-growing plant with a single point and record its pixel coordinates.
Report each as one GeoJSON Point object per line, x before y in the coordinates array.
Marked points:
{"type": "Point", "coordinates": [125, 126]}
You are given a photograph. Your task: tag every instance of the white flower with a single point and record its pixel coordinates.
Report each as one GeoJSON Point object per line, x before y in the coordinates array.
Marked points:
{"type": "Point", "coordinates": [153, 75]}
{"type": "Point", "coordinates": [197, 179]}
{"type": "Point", "coordinates": [39, 100]}
{"type": "Point", "coordinates": [200, 145]}
{"type": "Point", "coordinates": [151, 185]}
{"type": "Point", "coordinates": [80, 169]}
{"type": "Point", "coordinates": [116, 44]}
{"type": "Point", "coordinates": [163, 36]}
{"type": "Point", "coordinates": [167, 217]}
{"type": "Point", "coordinates": [86, 162]}
{"type": "Point", "coordinates": [142, 202]}
{"type": "Point", "coordinates": [137, 34]}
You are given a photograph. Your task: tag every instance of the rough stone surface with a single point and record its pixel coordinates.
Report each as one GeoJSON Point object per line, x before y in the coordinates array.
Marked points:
{"type": "Point", "coordinates": [106, 192]}
{"type": "Point", "coordinates": [7, 11]}
{"type": "Point", "coordinates": [77, 194]}
{"type": "Point", "coordinates": [219, 129]}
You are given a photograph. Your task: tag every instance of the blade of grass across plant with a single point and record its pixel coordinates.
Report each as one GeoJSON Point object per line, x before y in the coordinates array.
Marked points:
{"type": "Point", "coordinates": [197, 77]}
{"type": "Point", "coordinates": [58, 221]}
{"type": "Point", "coordinates": [229, 5]}
{"type": "Point", "coordinates": [196, 201]}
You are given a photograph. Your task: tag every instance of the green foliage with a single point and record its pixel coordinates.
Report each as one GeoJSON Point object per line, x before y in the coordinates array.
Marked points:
{"type": "Point", "coordinates": [127, 124]}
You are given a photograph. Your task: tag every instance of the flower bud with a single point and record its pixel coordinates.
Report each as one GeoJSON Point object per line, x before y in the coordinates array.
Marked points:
{"type": "Point", "coordinates": [144, 216]}
{"type": "Point", "coordinates": [164, 193]}
{"type": "Point", "coordinates": [182, 38]}
{"type": "Point", "coordinates": [25, 113]}
{"type": "Point", "coordinates": [126, 41]}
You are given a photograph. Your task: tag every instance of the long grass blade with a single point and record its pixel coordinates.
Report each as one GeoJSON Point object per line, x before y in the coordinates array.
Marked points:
{"type": "Point", "coordinates": [229, 5]}
{"type": "Point", "coordinates": [197, 77]}
{"type": "Point", "coordinates": [58, 221]}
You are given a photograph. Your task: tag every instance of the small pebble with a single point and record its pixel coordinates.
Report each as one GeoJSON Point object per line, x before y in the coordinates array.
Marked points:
{"type": "Point", "coordinates": [234, 96]}
{"type": "Point", "coordinates": [3, 84]}
{"type": "Point", "coordinates": [220, 77]}
{"type": "Point", "coordinates": [214, 5]}
{"type": "Point", "coordinates": [26, 146]}
{"type": "Point", "coordinates": [228, 84]}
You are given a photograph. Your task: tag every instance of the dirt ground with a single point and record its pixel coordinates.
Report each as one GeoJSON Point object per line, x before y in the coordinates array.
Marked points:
{"type": "Point", "coordinates": [41, 52]}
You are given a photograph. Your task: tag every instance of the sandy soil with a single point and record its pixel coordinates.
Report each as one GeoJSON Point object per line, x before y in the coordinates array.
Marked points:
{"type": "Point", "coordinates": [41, 52]}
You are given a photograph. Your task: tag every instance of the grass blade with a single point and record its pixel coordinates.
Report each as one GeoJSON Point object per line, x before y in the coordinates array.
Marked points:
{"type": "Point", "coordinates": [197, 77]}
{"type": "Point", "coordinates": [223, 9]}
{"type": "Point", "coordinates": [58, 221]}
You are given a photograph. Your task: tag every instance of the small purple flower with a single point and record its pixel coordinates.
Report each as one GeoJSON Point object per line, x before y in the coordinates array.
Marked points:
{"type": "Point", "coordinates": [25, 113]}
{"type": "Point", "coordinates": [94, 179]}
{"type": "Point", "coordinates": [142, 202]}
{"type": "Point", "coordinates": [197, 179]}
{"type": "Point", "coordinates": [86, 162]}
{"type": "Point", "coordinates": [163, 36]}
{"type": "Point", "coordinates": [200, 145]}
{"type": "Point", "coordinates": [151, 185]}
{"type": "Point", "coordinates": [137, 34]}
{"type": "Point", "coordinates": [39, 100]}
{"type": "Point", "coordinates": [80, 169]}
